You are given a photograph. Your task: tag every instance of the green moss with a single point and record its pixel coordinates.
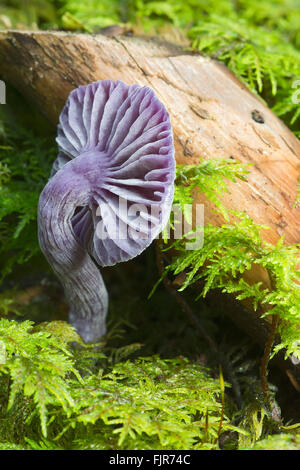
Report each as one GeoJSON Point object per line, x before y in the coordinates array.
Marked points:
{"type": "Point", "coordinates": [148, 402]}
{"type": "Point", "coordinates": [26, 156]}
{"type": "Point", "coordinates": [279, 442]}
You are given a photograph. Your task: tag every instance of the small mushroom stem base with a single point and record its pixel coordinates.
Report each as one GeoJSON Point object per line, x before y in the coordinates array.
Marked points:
{"type": "Point", "coordinates": [83, 284]}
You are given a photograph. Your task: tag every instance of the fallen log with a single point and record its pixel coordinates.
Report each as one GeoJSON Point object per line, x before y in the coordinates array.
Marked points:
{"type": "Point", "coordinates": [212, 113]}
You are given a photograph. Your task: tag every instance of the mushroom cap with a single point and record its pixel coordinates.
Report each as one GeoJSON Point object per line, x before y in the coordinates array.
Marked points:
{"type": "Point", "coordinates": [121, 139]}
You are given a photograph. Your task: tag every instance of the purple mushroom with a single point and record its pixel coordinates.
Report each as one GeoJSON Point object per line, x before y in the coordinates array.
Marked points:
{"type": "Point", "coordinates": [110, 191]}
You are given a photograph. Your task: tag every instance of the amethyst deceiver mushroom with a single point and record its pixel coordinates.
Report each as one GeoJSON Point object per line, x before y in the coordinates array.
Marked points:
{"type": "Point", "coordinates": [110, 191]}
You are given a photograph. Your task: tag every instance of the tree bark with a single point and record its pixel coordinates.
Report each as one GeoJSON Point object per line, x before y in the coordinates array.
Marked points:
{"type": "Point", "coordinates": [212, 113]}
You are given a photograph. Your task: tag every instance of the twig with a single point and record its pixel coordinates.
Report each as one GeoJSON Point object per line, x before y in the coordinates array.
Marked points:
{"type": "Point", "coordinates": [195, 321]}
{"type": "Point", "coordinates": [180, 300]}
{"type": "Point", "coordinates": [222, 387]}
{"type": "Point", "coordinates": [268, 347]}
{"type": "Point", "coordinates": [266, 356]}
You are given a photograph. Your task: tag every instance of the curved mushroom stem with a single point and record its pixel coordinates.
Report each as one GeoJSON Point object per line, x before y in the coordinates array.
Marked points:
{"type": "Point", "coordinates": [84, 287]}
